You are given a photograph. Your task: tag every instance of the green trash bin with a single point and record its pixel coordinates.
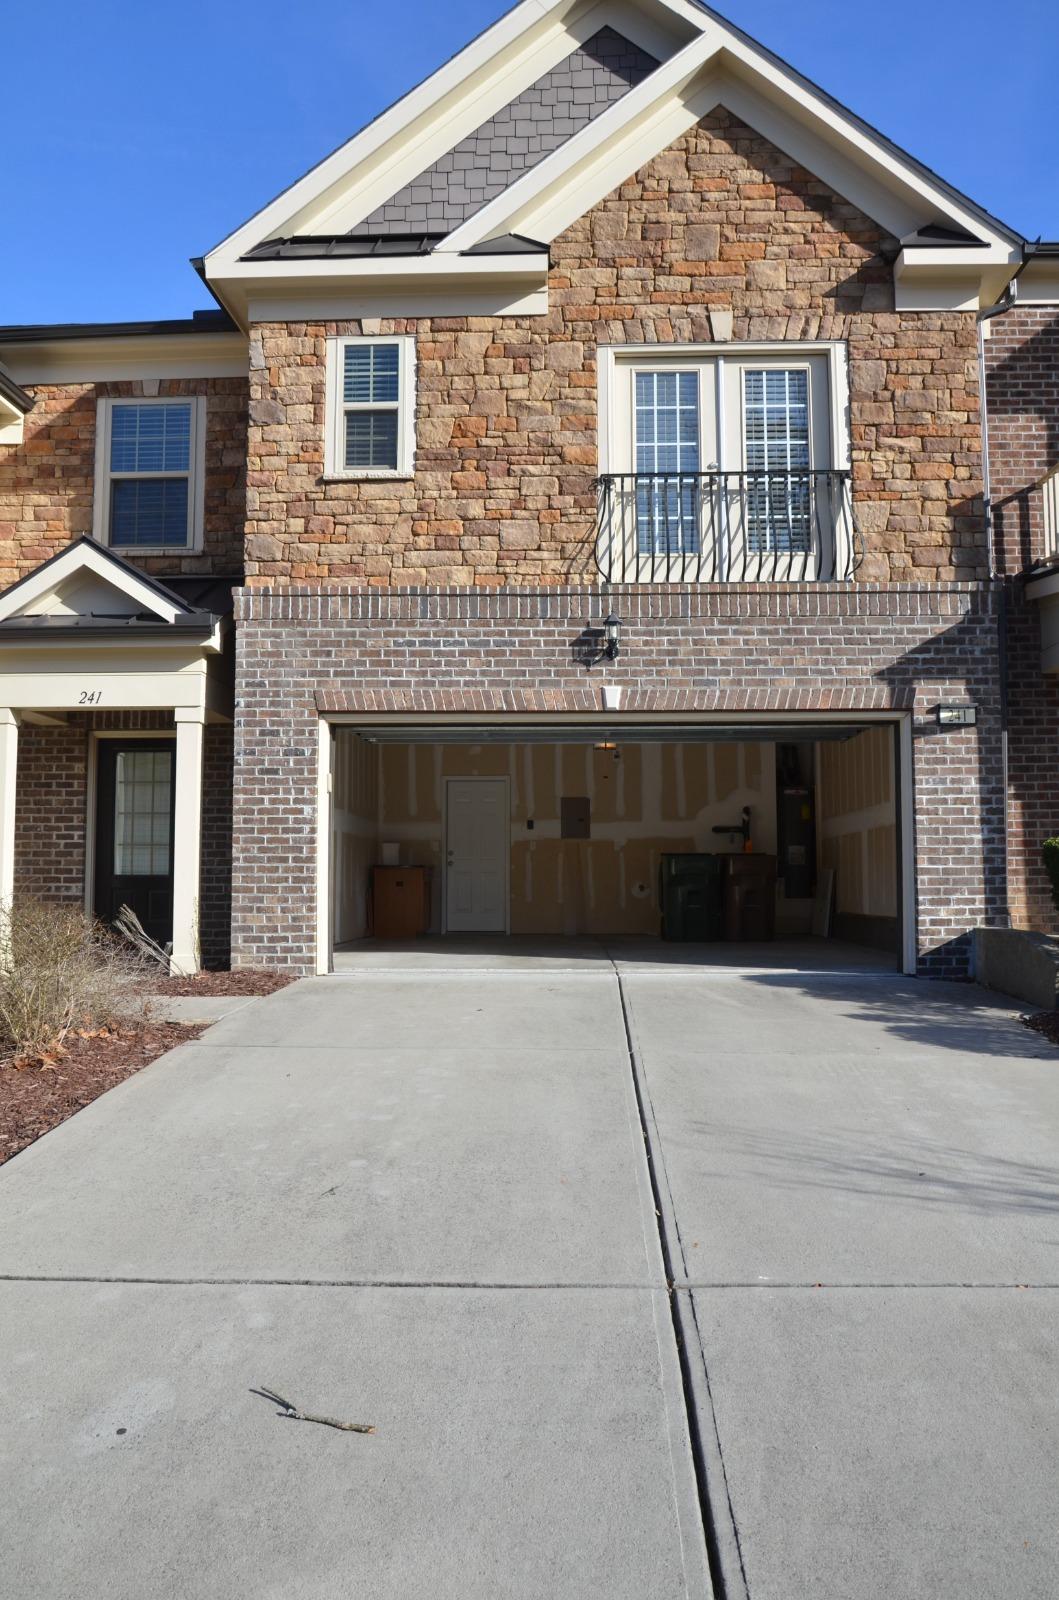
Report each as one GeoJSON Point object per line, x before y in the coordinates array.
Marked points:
{"type": "Point", "coordinates": [691, 896]}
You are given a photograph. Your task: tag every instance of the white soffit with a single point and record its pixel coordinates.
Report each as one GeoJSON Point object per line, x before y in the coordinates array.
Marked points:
{"type": "Point", "coordinates": [84, 573]}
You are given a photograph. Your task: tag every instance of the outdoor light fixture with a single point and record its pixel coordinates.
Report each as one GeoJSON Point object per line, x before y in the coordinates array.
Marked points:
{"type": "Point", "coordinates": [612, 637]}
{"type": "Point", "coordinates": [956, 716]}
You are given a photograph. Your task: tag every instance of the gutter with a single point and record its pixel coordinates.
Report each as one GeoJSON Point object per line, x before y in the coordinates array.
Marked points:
{"type": "Point", "coordinates": [1005, 304]}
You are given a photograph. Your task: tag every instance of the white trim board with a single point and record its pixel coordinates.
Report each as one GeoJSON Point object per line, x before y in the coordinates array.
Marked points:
{"type": "Point", "coordinates": [85, 557]}
{"type": "Point", "coordinates": [472, 86]}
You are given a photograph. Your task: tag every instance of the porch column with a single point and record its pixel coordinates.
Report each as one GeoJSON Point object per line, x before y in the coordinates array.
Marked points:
{"type": "Point", "coordinates": [8, 779]}
{"type": "Point", "coordinates": [187, 837]}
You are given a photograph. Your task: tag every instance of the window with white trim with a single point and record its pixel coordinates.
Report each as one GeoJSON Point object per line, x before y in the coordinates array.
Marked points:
{"type": "Point", "coordinates": [724, 462]}
{"type": "Point", "coordinates": [149, 473]}
{"type": "Point", "coordinates": [370, 407]}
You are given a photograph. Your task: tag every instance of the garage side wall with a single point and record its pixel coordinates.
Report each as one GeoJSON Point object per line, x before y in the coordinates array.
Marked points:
{"type": "Point", "coordinates": [710, 649]}
{"type": "Point", "coordinates": [856, 800]}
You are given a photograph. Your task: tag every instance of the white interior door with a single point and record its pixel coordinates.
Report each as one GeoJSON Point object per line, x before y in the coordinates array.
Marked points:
{"type": "Point", "coordinates": [476, 855]}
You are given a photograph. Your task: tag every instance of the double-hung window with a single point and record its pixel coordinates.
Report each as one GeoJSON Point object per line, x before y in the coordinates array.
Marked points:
{"type": "Point", "coordinates": [149, 473]}
{"type": "Point", "coordinates": [370, 407]}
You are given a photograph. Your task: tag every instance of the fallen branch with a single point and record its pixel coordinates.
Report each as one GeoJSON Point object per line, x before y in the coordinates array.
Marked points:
{"type": "Point", "coordinates": [295, 1415]}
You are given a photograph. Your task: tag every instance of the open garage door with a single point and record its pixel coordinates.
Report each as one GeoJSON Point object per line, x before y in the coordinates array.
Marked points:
{"type": "Point", "coordinates": [566, 827]}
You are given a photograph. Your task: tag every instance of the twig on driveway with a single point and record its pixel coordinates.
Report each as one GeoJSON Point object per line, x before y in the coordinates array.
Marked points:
{"type": "Point", "coordinates": [291, 1411]}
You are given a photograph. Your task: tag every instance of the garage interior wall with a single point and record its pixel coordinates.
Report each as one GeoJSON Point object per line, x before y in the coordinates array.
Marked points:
{"type": "Point", "coordinates": [857, 834]}
{"type": "Point", "coordinates": [355, 822]}
{"type": "Point", "coordinates": [644, 799]}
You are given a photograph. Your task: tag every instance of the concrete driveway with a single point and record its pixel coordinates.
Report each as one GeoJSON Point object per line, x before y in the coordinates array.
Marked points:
{"type": "Point", "coordinates": [419, 1195]}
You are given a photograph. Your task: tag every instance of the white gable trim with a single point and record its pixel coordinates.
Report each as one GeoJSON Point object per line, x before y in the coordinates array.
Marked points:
{"type": "Point", "coordinates": [719, 68]}
{"type": "Point", "coordinates": [451, 103]}
{"type": "Point", "coordinates": [26, 598]}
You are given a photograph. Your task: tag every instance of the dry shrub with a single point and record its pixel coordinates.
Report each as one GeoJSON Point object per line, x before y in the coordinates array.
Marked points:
{"type": "Point", "coordinates": [60, 970]}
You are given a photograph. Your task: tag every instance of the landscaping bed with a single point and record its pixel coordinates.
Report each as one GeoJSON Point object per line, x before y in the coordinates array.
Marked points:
{"type": "Point", "coordinates": [243, 981]}
{"type": "Point", "coordinates": [39, 1093]}
{"type": "Point", "coordinates": [1045, 1022]}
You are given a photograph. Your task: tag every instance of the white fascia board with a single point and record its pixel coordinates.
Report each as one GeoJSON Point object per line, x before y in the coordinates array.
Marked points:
{"type": "Point", "coordinates": [870, 167]}
{"type": "Point", "coordinates": [876, 151]}
{"type": "Point", "coordinates": [1039, 281]}
{"type": "Point", "coordinates": [1046, 588]}
{"type": "Point", "coordinates": [505, 35]}
{"type": "Point", "coordinates": [448, 105]}
{"type": "Point", "coordinates": [648, 101]}
{"type": "Point", "coordinates": [464, 109]}
{"type": "Point", "coordinates": [284, 304]}
{"type": "Point", "coordinates": [81, 558]}
{"type": "Point", "coordinates": [501, 285]}
{"type": "Point", "coordinates": [219, 355]}
{"type": "Point", "coordinates": [394, 269]}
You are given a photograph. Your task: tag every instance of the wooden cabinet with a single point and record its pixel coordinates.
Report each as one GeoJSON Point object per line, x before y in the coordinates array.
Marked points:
{"type": "Point", "coordinates": [400, 902]}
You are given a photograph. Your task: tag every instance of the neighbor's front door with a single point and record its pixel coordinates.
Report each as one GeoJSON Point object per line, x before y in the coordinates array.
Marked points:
{"type": "Point", "coordinates": [134, 832]}
{"type": "Point", "coordinates": [476, 855]}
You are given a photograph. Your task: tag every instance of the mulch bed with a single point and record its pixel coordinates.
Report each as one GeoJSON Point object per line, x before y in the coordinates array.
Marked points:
{"type": "Point", "coordinates": [37, 1096]}
{"type": "Point", "coordinates": [1046, 1022]}
{"type": "Point", "coordinates": [244, 980]}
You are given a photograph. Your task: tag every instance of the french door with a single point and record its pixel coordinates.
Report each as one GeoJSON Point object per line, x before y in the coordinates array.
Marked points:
{"type": "Point", "coordinates": [724, 468]}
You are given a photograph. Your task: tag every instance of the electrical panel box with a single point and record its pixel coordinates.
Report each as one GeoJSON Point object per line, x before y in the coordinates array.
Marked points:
{"type": "Point", "coordinates": [575, 817]}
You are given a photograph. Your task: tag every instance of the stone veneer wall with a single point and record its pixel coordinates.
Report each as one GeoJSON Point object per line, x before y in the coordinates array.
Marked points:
{"type": "Point", "coordinates": [504, 487]}
{"type": "Point", "coordinates": [46, 483]}
{"type": "Point", "coordinates": [1022, 377]}
{"type": "Point", "coordinates": [710, 648]}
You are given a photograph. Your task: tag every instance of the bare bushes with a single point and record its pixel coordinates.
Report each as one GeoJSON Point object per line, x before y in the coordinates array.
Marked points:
{"type": "Point", "coordinates": [60, 970]}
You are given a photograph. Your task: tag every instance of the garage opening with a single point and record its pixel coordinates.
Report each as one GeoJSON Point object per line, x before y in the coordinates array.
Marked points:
{"type": "Point", "coordinates": [718, 834]}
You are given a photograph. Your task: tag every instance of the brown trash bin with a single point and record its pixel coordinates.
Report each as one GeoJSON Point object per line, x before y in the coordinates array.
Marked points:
{"type": "Point", "coordinates": [749, 898]}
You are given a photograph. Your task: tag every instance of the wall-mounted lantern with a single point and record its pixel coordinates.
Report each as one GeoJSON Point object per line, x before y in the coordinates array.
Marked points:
{"type": "Point", "coordinates": [956, 716]}
{"type": "Point", "coordinates": [612, 637]}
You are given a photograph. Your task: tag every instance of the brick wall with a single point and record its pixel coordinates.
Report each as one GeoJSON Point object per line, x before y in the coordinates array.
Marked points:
{"type": "Point", "coordinates": [51, 807]}
{"type": "Point", "coordinates": [46, 483]}
{"type": "Point", "coordinates": [1022, 375]}
{"type": "Point", "coordinates": [507, 418]}
{"type": "Point", "coordinates": [215, 882]}
{"type": "Point", "coordinates": [709, 648]}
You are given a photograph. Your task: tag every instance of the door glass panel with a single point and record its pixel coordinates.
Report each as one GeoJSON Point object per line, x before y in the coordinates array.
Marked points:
{"type": "Point", "coordinates": [143, 800]}
{"type": "Point", "coordinates": [667, 448]}
{"type": "Point", "coordinates": [776, 435]}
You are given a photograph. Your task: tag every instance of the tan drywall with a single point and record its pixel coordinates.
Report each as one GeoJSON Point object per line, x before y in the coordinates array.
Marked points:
{"type": "Point", "coordinates": [856, 822]}
{"type": "Point", "coordinates": [355, 803]}
{"type": "Point", "coordinates": [651, 799]}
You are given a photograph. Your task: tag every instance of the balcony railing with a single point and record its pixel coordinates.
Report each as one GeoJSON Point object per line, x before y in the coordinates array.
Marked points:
{"type": "Point", "coordinates": [726, 527]}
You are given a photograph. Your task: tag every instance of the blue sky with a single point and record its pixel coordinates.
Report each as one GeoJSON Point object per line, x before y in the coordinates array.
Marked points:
{"type": "Point", "coordinates": [143, 134]}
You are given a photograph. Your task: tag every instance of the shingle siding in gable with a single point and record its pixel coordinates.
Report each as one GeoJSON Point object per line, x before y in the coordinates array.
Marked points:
{"type": "Point", "coordinates": [543, 117]}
